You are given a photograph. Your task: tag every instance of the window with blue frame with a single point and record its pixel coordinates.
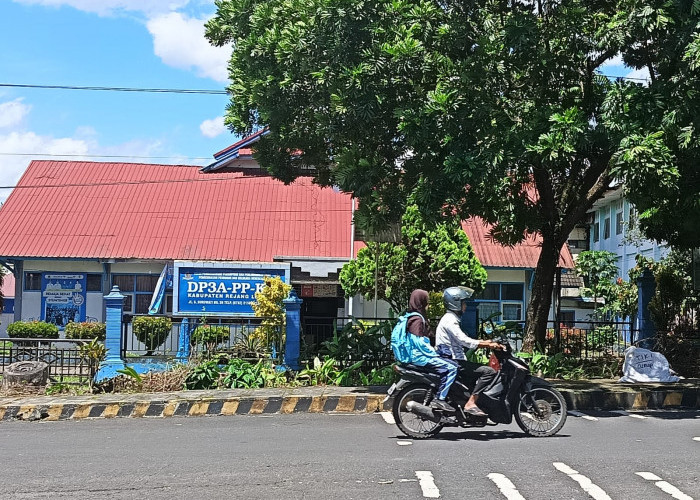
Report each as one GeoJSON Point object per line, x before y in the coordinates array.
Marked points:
{"type": "Point", "coordinates": [506, 299]}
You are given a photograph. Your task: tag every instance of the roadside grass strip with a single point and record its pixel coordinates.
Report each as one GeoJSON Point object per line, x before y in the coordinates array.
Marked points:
{"type": "Point", "coordinates": [577, 413]}
{"type": "Point", "coordinates": [593, 490]}
{"type": "Point", "coordinates": [505, 486]}
{"type": "Point", "coordinates": [388, 417]}
{"type": "Point", "coordinates": [664, 486]}
{"type": "Point", "coordinates": [427, 484]}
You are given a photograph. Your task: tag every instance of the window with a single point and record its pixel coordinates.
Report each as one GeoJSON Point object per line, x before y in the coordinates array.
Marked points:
{"type": "Point", "coordinates": [606, 228]}
{"type": "Point", "coordinates": [619, 222]}
{"type": "Point", "coordinates": [507, 299]}
{"type": "Point", "coordinates": [596, 232]}
{"type": "Point", "coordinates": [138, 290]}
{"type": "Point", "coordinates": [32, 282]}
{"type": "Point", "coordinates": [567, 318]}
{"type": "Point", "coordinates": [94, 283]}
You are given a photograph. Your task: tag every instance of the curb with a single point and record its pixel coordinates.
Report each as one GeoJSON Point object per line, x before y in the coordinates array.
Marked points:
{"type": "Point", "coordinates": [603, 395]}
{"type": "Point", "coordinates": [370, 403]}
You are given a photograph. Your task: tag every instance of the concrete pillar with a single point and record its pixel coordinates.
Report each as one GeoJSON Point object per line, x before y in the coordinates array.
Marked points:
{"type": "Point", "coordinates": [114, 304]}
{"type": "Point", "coordinates": [292, 345]}
{"type": "Point", "coordinates": [469, 322]}
{"type": "Point", "coordinates": [645, 329]}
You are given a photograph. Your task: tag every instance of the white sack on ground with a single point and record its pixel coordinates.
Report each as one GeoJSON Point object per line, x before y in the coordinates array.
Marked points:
{"type": "Point", "coordinates": [643, 365]}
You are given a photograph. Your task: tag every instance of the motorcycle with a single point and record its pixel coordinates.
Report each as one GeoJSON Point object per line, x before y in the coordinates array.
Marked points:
{"type": "Point", "coordinates": [538, 408]}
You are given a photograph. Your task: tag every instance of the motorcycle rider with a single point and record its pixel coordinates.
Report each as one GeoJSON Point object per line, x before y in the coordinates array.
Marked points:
{"type": "Point", "coordinates": [423, 354]}
{"type": "Point", "coordinates": [450, 342]}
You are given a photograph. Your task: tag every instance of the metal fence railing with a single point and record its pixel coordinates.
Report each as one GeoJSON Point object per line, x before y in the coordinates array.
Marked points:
{"type": "Point", "coordinates": [249, 338]}
{"type": "Point", "coordinates": [66, 365]}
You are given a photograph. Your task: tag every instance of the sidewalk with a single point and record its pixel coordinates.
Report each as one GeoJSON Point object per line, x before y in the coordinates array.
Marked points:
{"type": "Point", "coordinates": [579, 395]}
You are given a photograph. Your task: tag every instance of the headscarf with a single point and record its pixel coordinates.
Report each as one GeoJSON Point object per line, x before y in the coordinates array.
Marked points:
{"type": "Point", "coordinates": [418, 303]}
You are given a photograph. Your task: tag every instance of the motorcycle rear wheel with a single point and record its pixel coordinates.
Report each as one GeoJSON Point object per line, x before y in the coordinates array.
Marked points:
{"type": "Point", "coordinates": [552, 412]}
{"type": "Point", "coordinates": [409, 423]}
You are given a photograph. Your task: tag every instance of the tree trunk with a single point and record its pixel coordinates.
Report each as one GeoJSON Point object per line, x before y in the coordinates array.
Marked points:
{"type": "Point", "coordinates": [541, 298]}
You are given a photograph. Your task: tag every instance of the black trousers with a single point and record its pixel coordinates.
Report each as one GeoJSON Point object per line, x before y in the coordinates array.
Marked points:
{"type": "Point", "coordinates": [479, 375]}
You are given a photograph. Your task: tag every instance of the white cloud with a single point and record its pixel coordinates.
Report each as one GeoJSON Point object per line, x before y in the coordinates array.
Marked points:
{"type": "Point", "coordinates": [13, 112]}
{"type": "Point", "coordinates": [639, 75]}
{"type": "Point", "coordinates": [111, 7]}
{"type": "Point", "coordinates": [179, 41]}
{"type": "Point", "coordinates": [214, 127]}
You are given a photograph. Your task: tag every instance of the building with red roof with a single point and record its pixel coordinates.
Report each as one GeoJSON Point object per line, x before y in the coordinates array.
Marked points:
{"type": "Point", "coordinates": [73, 229]}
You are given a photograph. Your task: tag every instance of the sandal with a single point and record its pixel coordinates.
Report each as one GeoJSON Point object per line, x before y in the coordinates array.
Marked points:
{"type": "Point", "coordinates": [475, 412]}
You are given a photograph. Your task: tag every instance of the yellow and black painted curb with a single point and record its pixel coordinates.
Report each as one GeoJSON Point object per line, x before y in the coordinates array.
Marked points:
{"type": "Point", "coordinates": [194, 408]}
{"type": "Point", "coordinates": [641, 399]}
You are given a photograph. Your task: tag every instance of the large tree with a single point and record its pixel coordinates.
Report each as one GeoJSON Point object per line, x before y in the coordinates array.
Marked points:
{"type": "Point", "coordinates": [487, 107]}
{"type": "Point", "coordinates": [427, 256]}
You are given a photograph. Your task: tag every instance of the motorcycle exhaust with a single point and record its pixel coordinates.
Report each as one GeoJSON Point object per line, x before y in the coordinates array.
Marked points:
{"type": "Point", "coordinates": [422, 411]}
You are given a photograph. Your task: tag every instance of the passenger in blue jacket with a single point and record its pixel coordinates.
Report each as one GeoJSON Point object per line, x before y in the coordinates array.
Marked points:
{"type": "Point", "coordinates": [423, 354]}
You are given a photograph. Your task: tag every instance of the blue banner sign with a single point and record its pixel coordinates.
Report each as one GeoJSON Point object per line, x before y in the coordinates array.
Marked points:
{"type": "Point", "coordinates": [221, 289]}
{"type": "Point", "coordinates": [63, 298]}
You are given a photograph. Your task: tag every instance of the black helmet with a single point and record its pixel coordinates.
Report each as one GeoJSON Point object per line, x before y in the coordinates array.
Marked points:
{"type": "Point", "coordinates": [454, 296]}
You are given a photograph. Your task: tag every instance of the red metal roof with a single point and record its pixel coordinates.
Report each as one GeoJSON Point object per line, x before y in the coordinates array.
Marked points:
{"type": "Point", "coordinates": [522, 255]}
{"type": "Point", "coordinates": [143, 211]}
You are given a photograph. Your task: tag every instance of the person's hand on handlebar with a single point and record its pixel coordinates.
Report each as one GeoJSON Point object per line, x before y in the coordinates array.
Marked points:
{"type": "Point", "coordinates": [490, 344]}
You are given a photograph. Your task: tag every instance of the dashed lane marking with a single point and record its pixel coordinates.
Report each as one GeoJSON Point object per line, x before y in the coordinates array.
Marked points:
{"type": "Point", "coordinates": [427, 484]}
{"type": "Point", "coordinates": [577, 413]}
{"type": "Point", "coordinates": [388, 417]}
{"type": "Point", "coordinates": [664, 486]}
{"type": "Point", "coordinates": [628, 414]}
{"type": "Point", "coordinates": [506, 486]}
{"type": "Point", "coordinates": [593, 490]}
{"type": "Point", "coordinates": [404, 443]}
{"type": "Point", "coordinates": [696, 439]}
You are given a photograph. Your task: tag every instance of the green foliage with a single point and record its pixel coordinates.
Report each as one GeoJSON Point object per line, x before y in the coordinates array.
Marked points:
{"type": "Point", "coordinates": [506, 98]}
{"type": "Point", "coordinates": [602, 337]}
{"type": "Point", "coordinates": [151, 331]}
{"type": "Point", "coordinates": [204, 376]}
{"type": "Point", "coordinates": [560, 366]}
{"type": "Point", "coordinates": [429, 255]}
{"type": "Point", "coordinates": [240, 374]}
{"type": "Point", "coordinates": [251, 344]}
{"type": "Point", "coordinates": [94, 353]}
{"type": "Point", "coordinates": [32, 330]}
{"type": "Point", "coordinates": [86, 331]}
{"type": "Point", "coordinates": [359, 340]}
{"type": "Point", "coordinates": [131, 373]}
{"type": "Point", "coordinates": [210, 336]}
{"type": "Point", "coordinates": [269, 306]}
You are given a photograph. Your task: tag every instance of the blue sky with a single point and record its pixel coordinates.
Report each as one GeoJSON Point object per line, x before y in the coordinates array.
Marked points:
{"type": "Point", "coordinates": [113, 43]}
{"type": "Point", "coordinates": [109, 43]}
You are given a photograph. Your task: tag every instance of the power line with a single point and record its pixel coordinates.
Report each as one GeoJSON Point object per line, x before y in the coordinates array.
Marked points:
{"type": "Point", "coordinates": [116, 89]}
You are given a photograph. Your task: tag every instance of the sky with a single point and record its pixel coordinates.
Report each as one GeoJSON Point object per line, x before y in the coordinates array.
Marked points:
{"type": "Point", "coordinates": [109, 43]}
{"type": "Point", "coordinates": [157, 44]}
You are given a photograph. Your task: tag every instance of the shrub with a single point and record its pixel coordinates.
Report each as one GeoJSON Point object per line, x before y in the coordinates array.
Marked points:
{"type": "Point", "coordinates": [151, 331]}
{"type": "Point", "coordinates": [86, 331]}
{"type": "Point", "coordinates": [269, 305]}
{"type": "Point", "coordinates": [209, 336]}
{"type": "Point", "coordinates": [32, 330]}
{"type": "Point", "coordinates": [203, 376]}
{"type": "Point", "coordinates": [602, 337]}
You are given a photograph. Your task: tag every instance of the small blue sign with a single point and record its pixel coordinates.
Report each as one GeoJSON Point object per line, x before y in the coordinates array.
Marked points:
{"type": "Point", "coordinates": [222, 289]}
{"type": "Point", "coordinates": [8, 306]}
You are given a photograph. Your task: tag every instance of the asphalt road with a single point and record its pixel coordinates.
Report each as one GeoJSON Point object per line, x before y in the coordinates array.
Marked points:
{"type": "Point", "coordinates": [597, 455]}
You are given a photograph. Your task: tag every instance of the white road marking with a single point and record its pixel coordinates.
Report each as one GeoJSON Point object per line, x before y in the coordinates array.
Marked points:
{"type": "Point", "coordinates": [506, 486]}
{"type": "Point", "coordinates": [593, 490]}
{"type": "Point", "coordinates": [427, 484]}
{"type": "Point", "coordinates": [388, 417]}
{"type": "Point", "coordinates": [664, 486]}
{"type": "Point", "coordinates": [404, 443]}
{"type": "Point", "coordinates": [577, 413]}
{"type": "Point", "coordinates": [627, 414]}
{"type": "Point", "coordinates": [696, 439]}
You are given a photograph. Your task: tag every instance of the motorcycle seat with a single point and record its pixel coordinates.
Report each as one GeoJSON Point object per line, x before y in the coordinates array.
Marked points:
{"type": "Point", "coordinates": [417, 368]}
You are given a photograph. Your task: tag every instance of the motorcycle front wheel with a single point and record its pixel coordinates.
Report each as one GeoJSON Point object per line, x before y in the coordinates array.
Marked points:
{"type": "Point", "coordinates": [411, 424]}
{"type": "Point", "coordinates": [542, 412]}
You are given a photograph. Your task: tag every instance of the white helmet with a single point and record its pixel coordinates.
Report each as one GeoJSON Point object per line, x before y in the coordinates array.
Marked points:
{"type": "Point", "coordinates": [454, 296]}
